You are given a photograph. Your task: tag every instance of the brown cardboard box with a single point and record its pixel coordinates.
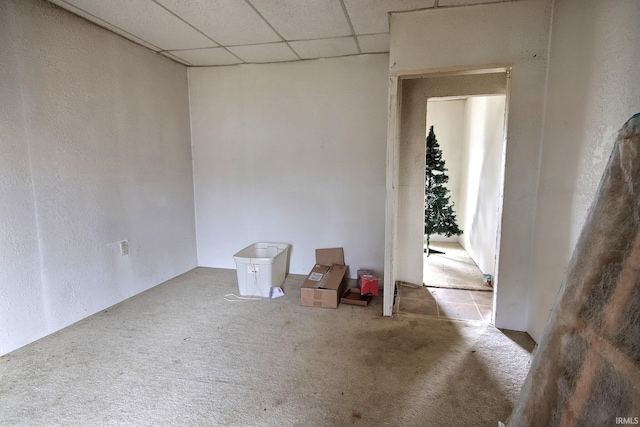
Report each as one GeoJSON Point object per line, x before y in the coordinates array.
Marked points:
{"type": "Point", "coordinates": [326, 281]}
{"type": "Point", "coordinates": [353, 296]}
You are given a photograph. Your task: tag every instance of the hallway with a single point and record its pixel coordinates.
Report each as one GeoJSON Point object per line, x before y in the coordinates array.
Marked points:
{"type": "Point", "coordinates": [453, 288]}
{"type": "Point", "coordinates": [456, 304]}
{"type": "Point", "coordinates": [452, 269]}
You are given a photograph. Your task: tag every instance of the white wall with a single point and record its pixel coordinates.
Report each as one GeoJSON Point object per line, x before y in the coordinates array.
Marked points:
{"type": "Point", "coordinates": [483, 173]}
{"type": "Point", "coordinates": [447, 118]}
{"type": "Point", "coordinates": [592, 90]}
{"type": "Point", "coordinates": [293, 153]}
{"type": "Point", "coordinates": [94, 149]}
{"type": "Point", "coordinates": [511, 33]}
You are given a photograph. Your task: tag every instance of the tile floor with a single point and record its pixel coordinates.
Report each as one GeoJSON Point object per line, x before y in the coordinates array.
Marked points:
{"type": "Point", "coordinates": [445, 303]}
{"type": "Point", "coordinates": [453, 268]}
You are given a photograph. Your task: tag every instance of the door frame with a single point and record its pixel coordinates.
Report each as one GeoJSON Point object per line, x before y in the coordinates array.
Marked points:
{"type": "Point", "coordinates": [392, 168]}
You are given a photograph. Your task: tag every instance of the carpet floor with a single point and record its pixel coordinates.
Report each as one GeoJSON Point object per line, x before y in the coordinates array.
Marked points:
{"type": "Point", "coordinates": [453, 269]}
{"type": "Point", "coordinates": [181, 354]}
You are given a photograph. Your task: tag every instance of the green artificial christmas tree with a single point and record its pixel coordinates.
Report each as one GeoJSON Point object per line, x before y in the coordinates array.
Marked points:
{"type": "Point", "coordinates": [439, 217]}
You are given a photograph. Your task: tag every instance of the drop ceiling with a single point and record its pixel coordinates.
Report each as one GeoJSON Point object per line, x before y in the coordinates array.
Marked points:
{"type": "Point", "coordinates": [226, 32]}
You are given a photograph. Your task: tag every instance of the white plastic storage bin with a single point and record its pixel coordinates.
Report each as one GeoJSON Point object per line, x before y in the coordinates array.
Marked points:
{"type": "Point", "coordinates": [260, 267]}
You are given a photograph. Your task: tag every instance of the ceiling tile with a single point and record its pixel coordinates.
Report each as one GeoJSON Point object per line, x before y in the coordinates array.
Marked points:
{"type": "Point", "coordinates": [374, 43]}
{"type": "Point", "coordinates": [325, 48]}
{"type": "Point", "coordinates": [228, 22]}
{"type": "Point", "coordinates": [210, 56]}
{"type": "Point", "coordinates": [464, 2]}
{"type": "Point", "coordinates": [270, 52]}
{"type": "Point", "coordinates": [71, 8]}
{"type": "Point", "coordinates": [147, 21]}
{"type": "Point", "coordinates": [305, 19]}
{"type": "Point", "coordinates": [370, 17]}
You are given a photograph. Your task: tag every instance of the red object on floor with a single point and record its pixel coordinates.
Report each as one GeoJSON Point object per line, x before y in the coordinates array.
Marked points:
{"type": "Point", "coordinates": [368, 284]}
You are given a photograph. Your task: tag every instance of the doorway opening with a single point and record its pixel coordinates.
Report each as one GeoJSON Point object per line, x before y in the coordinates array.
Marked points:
{"type": "Point", "coordinates": [469, 113]}
{"type": "Point", "coordinates": [470, 135]}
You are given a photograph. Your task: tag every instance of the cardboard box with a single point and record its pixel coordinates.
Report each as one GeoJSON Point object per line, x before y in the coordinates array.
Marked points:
{"type": "Point", "coordinates": [368, 284]}
{"type": "Point", "coordinates": [352, 296]}
{"type": "Point", "coordinates": [325, 283]}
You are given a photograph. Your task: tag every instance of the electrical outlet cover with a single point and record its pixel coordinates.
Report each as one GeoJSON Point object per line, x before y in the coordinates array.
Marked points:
{"type": "Point", "coordinates": [124, 247]}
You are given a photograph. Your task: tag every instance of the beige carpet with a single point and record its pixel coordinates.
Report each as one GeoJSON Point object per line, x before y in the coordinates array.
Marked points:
{"type": "Point", "coordinates": [181, 355]}
{"type": "Point", "coordinates": [452, 269]}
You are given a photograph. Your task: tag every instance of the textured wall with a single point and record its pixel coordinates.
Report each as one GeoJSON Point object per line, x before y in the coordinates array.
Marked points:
{"type": "Point", "coordinates": [94, 149]}
{"type": "Point", "coordinates": [594, 71]}
{"type": "Point", "coordinates": [291, 153]}
{"type": "Point", "coordinates": [512, 33]}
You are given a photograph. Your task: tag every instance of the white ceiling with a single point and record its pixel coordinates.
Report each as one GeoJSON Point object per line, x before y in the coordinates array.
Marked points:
{"type": "Point", "coordinates": [225, 32]}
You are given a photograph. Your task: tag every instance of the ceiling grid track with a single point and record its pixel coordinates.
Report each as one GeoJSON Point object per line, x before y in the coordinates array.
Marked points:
{"type": "Point", "coordinates": [210, 33]}
{"type": "Point", "coordinates": [105, 23]}
{"type": "Point", "coordinates": [353, 33]}
{"type": "Point", "coordinates": [198, 30]}
{"type": "Point", "coordinates": [272, 28]}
